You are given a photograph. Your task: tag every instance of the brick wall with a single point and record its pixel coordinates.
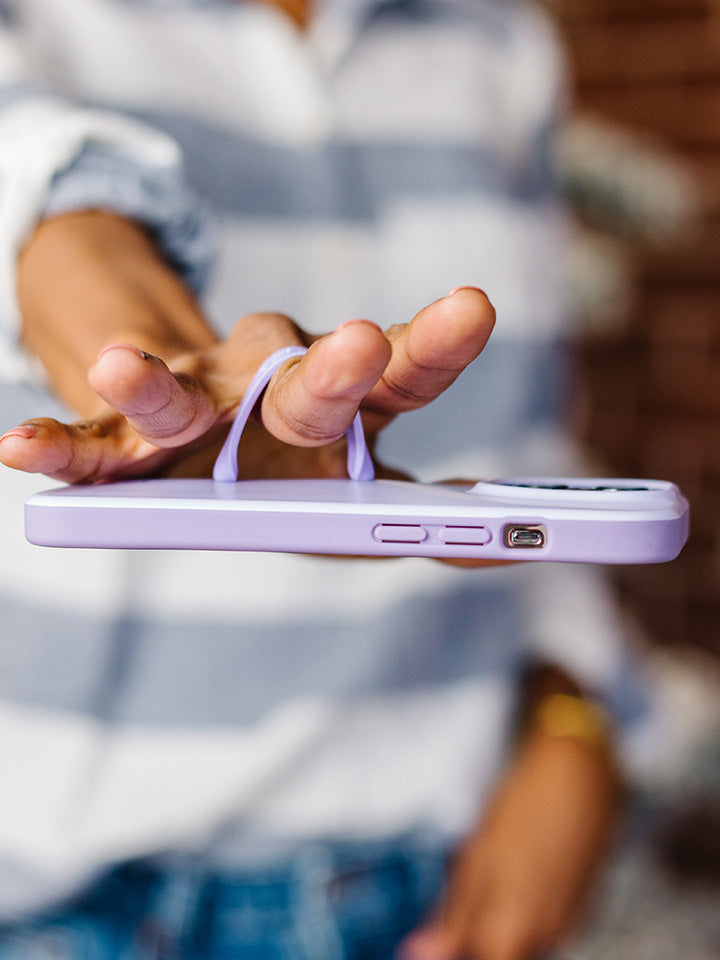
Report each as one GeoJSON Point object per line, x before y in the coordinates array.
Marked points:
{"type": "Point", "coordinates": [651, 391]}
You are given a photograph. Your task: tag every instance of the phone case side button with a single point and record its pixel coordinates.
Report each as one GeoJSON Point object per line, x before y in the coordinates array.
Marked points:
{"type": "Point", "coordinates": [471, 536]}
{"type": "Point", "coordinates": [399, 533]}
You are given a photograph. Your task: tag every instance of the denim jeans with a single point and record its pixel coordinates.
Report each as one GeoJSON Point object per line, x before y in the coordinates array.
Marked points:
{"type": "Point", "coordinates": [326, 902]}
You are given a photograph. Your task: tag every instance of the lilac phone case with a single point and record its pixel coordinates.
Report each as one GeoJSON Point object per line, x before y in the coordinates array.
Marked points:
{"type": "Point", "coordinates": [625, 522]}
{"type": "Point", "coordinates": [585, 520]}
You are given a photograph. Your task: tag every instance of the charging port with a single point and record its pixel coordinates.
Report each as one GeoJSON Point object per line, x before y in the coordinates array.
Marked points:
{"type": "Point", "coordinates": [524, 536]}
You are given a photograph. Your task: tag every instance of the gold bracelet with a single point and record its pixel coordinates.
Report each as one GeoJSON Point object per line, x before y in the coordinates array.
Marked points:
{"type": "Point", "coordinates": [565, 715]}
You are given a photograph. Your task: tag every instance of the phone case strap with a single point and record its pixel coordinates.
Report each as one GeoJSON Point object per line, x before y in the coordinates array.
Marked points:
{"type": "Point", "coordinates": [359, 462]}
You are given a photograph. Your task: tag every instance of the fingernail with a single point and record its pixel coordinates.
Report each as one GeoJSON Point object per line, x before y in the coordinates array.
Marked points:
{"type": "Point", "coordinates": [25, 431]}
{"type": "Point", "coordinates": [349, 323]}
{"type": "Point", "coordinates": [466, 286]}
{"type": "Point", "coordinates": [125, 346]}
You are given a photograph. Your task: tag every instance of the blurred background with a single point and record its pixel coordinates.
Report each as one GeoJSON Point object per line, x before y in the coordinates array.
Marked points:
{"type": "Point", "coordinates": [641, 161]}
{"type": "Point", "coordinates": [652, 397]}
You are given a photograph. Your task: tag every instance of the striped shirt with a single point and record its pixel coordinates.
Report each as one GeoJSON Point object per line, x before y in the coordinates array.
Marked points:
{"type": "Point", "coordinates": [242, 703]}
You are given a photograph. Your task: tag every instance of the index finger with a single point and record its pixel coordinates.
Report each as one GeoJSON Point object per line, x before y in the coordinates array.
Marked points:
{"type": "Point", "coordinates": [431, 351]}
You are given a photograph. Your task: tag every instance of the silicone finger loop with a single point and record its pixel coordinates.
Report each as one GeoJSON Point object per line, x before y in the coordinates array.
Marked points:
{"type": "Point", "coordinates": [359, 462]}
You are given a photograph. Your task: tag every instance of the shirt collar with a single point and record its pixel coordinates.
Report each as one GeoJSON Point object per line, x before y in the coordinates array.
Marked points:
{"type": "Point", "coordinates": [336, 25]}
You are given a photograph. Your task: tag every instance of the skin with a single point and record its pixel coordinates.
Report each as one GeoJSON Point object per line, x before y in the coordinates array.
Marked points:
{"type": "Point", "coordinates": [100, 308]}
{"type": "Point", "coordinates": [126, 346]}
{"type": "Point", "coordinates": [521, 880]}
{"type": "Point", "coordinates": [519, 883]}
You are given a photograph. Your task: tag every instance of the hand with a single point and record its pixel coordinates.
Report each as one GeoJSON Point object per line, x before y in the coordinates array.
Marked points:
{"type": "Point", "coordinates": [521, 879]}
{"type": "Point", "coordinates": [163, 389]}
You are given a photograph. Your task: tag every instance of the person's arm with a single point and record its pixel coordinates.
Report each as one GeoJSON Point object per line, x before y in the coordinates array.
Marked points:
{"type": "Point", "coordinates": [89, 279]}
{"type": "Point", "coordinates": [59, 157]}
{"type": "Point", "coordinates": [102, 254]}
{"type": "Point", "coordinates": [520, 880]}
{"type": "Point", "coordinates": [126, 345]}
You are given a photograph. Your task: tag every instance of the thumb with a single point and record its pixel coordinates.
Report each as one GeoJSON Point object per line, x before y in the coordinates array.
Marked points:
{"type": "Point", "coordinates": [164, 408]}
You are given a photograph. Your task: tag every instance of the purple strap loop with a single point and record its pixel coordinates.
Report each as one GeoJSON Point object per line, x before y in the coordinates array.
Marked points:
{"type": "Point", "coordinates": [359, 462]}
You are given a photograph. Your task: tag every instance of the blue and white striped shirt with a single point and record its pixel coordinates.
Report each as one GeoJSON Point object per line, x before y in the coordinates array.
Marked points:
{"type": "Point", "coordinates": [396, 150]}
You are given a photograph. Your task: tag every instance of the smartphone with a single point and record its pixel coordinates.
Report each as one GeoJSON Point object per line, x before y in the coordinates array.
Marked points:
{"type": "Point", "coordinates": [558, 519]}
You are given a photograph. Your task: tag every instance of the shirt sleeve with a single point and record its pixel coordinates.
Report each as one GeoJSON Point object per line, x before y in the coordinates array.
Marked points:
{"type": "Point", "coordinates": [57, 157]}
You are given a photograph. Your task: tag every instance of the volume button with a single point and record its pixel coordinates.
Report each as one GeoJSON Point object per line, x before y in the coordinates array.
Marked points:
{"type": "Point", "coordinates": [465, 536]}
{"type": "Point", "coordinates": [399, 533]}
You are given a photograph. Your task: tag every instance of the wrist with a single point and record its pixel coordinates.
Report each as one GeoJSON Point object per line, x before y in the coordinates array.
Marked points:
{"type": "Point", "coordinates": [573, 717]}
{"type": "Point", "coordinates": [87, 280]}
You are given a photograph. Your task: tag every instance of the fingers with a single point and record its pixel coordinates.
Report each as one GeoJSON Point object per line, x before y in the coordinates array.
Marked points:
{"type": "Point", "coordinates": [507, 932]}
{"type": "Point", "coordinates": [313, 400]}
{"type": "Point", "coordinates": [152, 408]}
{"type": "Point", "coordinates": [164, 408]}
{"type": "Point", "coordinates": [430, 352]}
{"type": "Point", "coordinates": [74, 453]}
{"type": "Point", "coordinates": [493, 931]}
{"type": "Point", "coordinates": [310, 402]}
{"type": "Point", "coordinates": [490, 912]}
